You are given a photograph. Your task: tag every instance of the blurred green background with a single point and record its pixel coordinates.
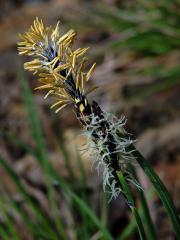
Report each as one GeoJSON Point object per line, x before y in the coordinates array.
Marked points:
{"type": "Point", "coordinates": [136, 46]}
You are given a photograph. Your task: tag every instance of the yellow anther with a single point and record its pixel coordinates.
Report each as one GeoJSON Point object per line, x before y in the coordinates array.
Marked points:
{"type": "Point", "coordinates": [55, 62]}
{"type": "Point", "coordinates": [77, 100]}
{"type": "Point", "coordinates": [81, 107]}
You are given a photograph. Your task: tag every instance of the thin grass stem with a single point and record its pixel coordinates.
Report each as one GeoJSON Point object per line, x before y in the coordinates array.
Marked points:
{"type": "Point", "coordinates": [145, 210]}
{"type": "Point", "coordinates": [127, 193]}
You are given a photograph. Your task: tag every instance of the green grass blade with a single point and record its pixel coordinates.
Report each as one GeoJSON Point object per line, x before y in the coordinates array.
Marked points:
{"type": "Point", "coordinates": [92, 216]}
{"type": "Point", "coordinates": [27, 198]}
{"type": "Point", "coordinates": [82, 205]}
{"type": "Point", "coordinates": [3, 233]}
{"type": "Point", "coordinates": [8, 220]}
{"type": "Point", "coordinates": [131, 227]}
{"type": "Point", "coordinates": [146, 216]}
{"type": "Point", "coordinates": [38, 136]}
{"type": "Point", "coordinates": [139, 224]}
{"type": "Point", "coordinates": [160, 189]}
{"type": "Point", "coordinates": [36, 229]}
{"type": "Point", "coordinates": [78, 201]}
{"type": "Point", "coordinates": [144, 206]}
{"type": "Point", "coordinates": [130, 200]}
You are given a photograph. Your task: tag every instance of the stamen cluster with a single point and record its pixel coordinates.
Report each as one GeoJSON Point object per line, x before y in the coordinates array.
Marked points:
{"type": "Point", "coordinates": [59, 67]}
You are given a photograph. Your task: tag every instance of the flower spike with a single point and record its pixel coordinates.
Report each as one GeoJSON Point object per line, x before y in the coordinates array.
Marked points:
{"type": "Point", "coordinates": [60, 69]}
{"type": "Point", "coordinates": [61, 72]}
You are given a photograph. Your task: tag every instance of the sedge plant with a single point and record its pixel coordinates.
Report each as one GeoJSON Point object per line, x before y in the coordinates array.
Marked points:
{"type": "Point", "coordinates": [61, 73]}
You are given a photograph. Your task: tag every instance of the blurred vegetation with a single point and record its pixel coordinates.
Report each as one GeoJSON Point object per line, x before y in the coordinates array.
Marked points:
{"type": "Point", "coordinates": [150, 30]}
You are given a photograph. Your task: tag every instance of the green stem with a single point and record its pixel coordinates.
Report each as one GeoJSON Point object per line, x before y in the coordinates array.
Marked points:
{"type": "Point", "coordinates": [139, 223]}
{"type": "Point", "coordinates": [160, 188]}
{"type": "Point", "coordinates": [145, 210]}
{"type": "Point", "coordinates": [131, 227]}
{"type": "Point", "coordinates": [130, 199]}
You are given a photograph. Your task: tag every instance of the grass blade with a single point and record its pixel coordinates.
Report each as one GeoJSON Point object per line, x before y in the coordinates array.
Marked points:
{"type": "Point", "coordinates": [27, 198]}
{"type": "Point", "coordinates": [38, 136]}
{"type": "Point", "coordinates": [160, 189]}
{"type": "Point", "coordinates": [130, 200]}
{"type": "Point", "coordinates": [144, 206]}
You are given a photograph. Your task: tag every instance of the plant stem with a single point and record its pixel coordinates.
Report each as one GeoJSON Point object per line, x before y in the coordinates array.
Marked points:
{"type": "Point", "coordinates": [160, 188]}
{"type": "Point", "coordinates": [129, 197]}
{"type": "Point", "coordinates": [145, 210]}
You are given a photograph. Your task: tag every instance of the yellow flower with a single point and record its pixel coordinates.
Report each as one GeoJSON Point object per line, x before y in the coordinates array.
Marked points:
{"type": "Point", "coordinates": [59, 67]}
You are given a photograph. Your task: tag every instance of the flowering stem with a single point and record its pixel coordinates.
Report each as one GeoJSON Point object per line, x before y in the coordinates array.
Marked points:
{"type": "Point", "coordinates": [131, 227]}
{"type": "Point", "coordinates": [130, 200]}
{"type": "Point", "coordinates": [160, 188]}
{"type": "Point", "coordinates": [145, 210]}
{"type": "Point", "coordinates": [62, 74]}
